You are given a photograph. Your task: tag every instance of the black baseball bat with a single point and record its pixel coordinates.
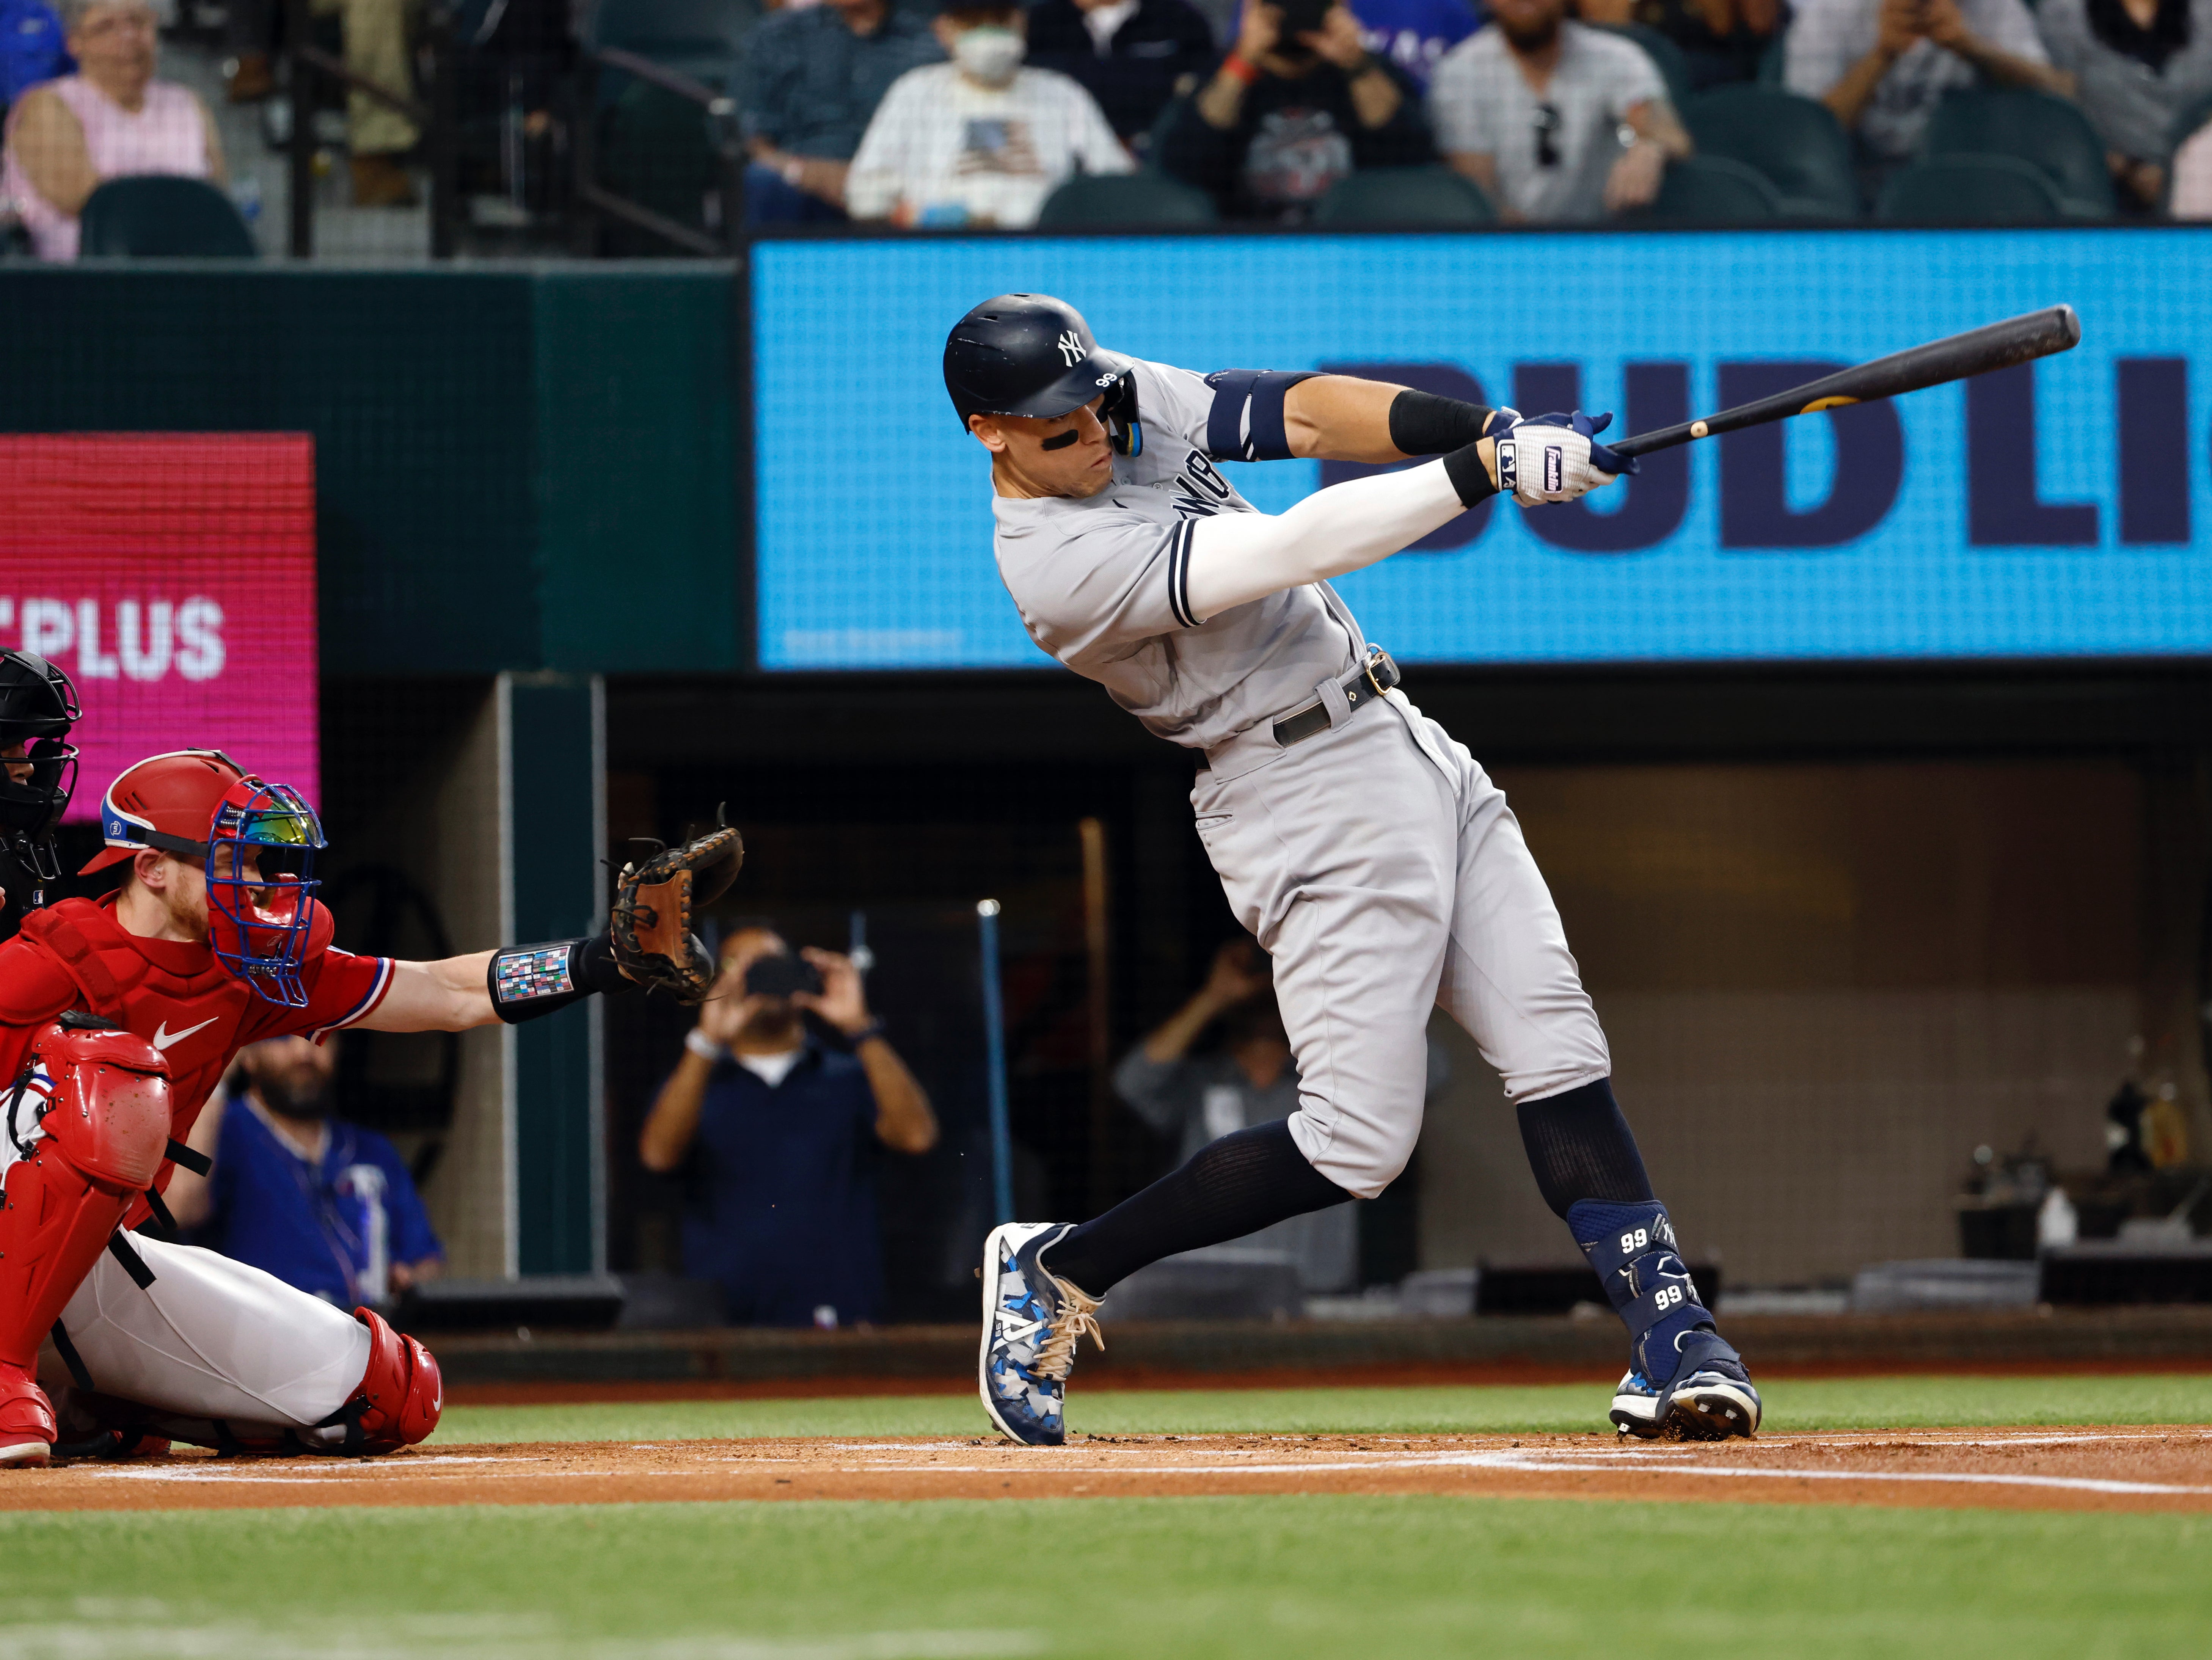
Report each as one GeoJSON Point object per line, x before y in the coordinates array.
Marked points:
{"type": "Point", "coordinates": [1993, 346]}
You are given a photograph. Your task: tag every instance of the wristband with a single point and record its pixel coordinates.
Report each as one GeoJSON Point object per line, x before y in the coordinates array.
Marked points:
{"type": "Point", "coordinates": [705, 1047]}
{"type": "Point", "coordinates": [874, 1029]}
{"type": "Point", "coordinates": [1240, 69]}
{"type": "Point", "coordinates": [1422, 423]}
{"type": "Point", "coordinates": [1468, 476]}
{"type": "Point", "coordinates": [527, 982]}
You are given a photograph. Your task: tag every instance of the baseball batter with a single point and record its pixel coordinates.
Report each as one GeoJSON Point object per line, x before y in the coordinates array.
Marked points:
{"type": "Point", "coordinates": [1363, 847]}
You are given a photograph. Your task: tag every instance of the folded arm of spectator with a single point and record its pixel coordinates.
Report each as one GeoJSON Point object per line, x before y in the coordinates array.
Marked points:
{"type": "Point", "coordinates": [1943, 22]}
{"type": "Point", "coordinates": [1634, 180]}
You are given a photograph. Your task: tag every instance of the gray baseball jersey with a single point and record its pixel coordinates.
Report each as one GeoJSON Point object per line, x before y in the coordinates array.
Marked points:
{"type": "Point", "coordinates": [1376, 862]}
{"type": "Point", "coordinates": [1101, 582]}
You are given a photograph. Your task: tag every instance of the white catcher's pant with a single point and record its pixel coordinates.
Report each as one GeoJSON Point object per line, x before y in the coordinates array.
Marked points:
{"type": "Point", "coordinates": [215, 1339]}
{"type": "Point", "coordinates": [1381, 869]}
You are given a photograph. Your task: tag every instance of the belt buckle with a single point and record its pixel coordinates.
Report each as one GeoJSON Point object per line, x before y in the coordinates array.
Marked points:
{"type": "Point", "coordinates": [1374, 654]}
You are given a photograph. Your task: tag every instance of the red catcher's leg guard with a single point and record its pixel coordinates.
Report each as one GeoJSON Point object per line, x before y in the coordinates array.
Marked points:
{"type": "Point", "coordinates": [401, 1394]}
{"type": "Point", "coordinates": [105, 1124]}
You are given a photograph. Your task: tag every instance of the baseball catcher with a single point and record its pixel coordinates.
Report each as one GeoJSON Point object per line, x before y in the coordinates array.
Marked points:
{"type": "Point", "coordinates": [118, 1019]}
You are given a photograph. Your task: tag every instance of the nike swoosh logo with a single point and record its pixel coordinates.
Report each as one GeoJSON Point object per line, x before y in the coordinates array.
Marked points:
{"type": "Point", "coordinates": [163, 1037]}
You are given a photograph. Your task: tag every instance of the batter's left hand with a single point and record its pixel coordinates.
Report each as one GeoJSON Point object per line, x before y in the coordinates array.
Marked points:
{"type": "Point", "coordinates": [1554, 457]}
{"type": "Point", "coordinates": [841, 1001]}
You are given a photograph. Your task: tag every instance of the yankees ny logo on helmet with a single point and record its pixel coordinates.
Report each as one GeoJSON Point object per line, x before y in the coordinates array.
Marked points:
{"type": "Point", "coordinates": [1070, 348]}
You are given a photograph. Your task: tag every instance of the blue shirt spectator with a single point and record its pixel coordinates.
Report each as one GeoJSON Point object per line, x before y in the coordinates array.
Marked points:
{"type": "Point", "coordinates": [31, 48]}
{"type": "Point", "coordinates": [776, 1137]}
{"type": "Point", "coordinates": [1414, 33]}
{"type": "Point", "coordinates": [811, 82]}
{"type": "Point", "coordinates": [325, 1206]}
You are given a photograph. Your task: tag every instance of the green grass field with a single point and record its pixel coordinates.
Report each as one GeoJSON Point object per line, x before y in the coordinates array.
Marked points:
{"type": "Point", "coordinates": [1277, 1577]}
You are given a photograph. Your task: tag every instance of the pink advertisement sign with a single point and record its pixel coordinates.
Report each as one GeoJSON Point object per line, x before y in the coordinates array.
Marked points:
{"type": "Point", "coordinates": [174, 577]}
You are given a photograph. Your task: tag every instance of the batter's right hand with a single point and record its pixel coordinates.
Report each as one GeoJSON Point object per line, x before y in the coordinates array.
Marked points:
{"type": "Point", "coordinates": [1554, 457]}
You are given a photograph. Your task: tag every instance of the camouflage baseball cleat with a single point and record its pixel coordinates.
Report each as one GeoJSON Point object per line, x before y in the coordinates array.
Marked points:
{"type": "Point", "coordinates": [1031, 1320]}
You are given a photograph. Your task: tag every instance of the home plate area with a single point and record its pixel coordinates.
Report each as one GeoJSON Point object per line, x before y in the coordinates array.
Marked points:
{"type": "Point", "coordinates": [2044, 1469]}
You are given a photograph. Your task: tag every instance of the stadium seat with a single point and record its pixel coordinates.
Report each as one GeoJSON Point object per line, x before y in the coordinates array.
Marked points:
{"type": "Point", "coordinates": [1795, 142]}
{"type": "Point", "coordinates": [1664, 54]}
{"type": "Point", "coordinates": [163, 216]}
{"type": "Point", "coordinates": [1711, 189]}
{"type": "Point", "coordinates": [1971, 189]}
{"type": "Point", "coordinates": [1404, 195]}
{"type": "Point", "coordinates": [703, 39]}
{"type": "Point", "coordinates": [1107, 201]}
{"type": "Point", "coordinates": [2047, 132]}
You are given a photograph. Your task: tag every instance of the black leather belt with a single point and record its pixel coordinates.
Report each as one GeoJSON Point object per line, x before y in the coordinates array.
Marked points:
{"type": "Point", "coordinates": [1364, 685]}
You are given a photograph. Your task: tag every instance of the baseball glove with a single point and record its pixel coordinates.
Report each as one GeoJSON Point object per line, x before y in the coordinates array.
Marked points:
{"type": "Point", "coordinates": [654, 902]}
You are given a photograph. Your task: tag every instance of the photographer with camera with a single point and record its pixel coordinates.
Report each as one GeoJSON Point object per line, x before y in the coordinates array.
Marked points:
{"type": "Point", "coordinates": [1296, 106]}
{"type": "Point", "coordinates": [775, 1130]}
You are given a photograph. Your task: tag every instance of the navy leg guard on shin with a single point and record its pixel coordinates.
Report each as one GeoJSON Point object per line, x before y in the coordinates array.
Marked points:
{"type": "Point", "coordinates": [1686, 1379]}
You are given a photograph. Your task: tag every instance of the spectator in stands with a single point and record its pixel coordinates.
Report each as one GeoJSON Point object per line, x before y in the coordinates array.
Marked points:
{"type": "Point", "coordinates": [811, 79]}
{"type": "Point", "coordinates": [775, 1132]}
{"type": "Point", "coordinates": [1558, 122]}
{"type": "Point", "coordinates": [982, 140]}
{"type": "Point", "coordinates": [1882, 66]}
{"type": "Point", "coordinates": [1414, 33]}
{"type": "Point", "coordinates": [32, 48]}
{"type": "Point", "coordinates": [323, 1204]}
{"type": "Point", "coordinates": [377, 136]}
{"type": "Point", "coordinates": [1248, 1078]}
{"type": "Point", "coordinates": [109, 118]}
{"type": "Point", "coordinates": [1284, 117]}
{"type": "Point", "coordinates": [1721, 40]}
{"type": "Point", "coordinates": [1133, 56]}
{"type": "Point", "coordinates": [2191, 196]}
{"type": "Point", "coordinates": [2139, 66]}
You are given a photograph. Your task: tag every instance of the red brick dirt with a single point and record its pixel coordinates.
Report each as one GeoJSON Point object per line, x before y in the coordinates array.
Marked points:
{"type": "Point", "coordinates": [2135, 1469]}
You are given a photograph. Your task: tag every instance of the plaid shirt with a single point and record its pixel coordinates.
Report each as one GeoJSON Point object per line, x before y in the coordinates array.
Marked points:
{"type": "Point", "coordinates": [809, 84]}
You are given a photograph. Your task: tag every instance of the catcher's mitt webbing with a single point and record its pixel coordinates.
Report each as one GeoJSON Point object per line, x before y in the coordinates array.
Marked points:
{"type": "Point", "coordinates": [527, 981]}
{"type": "Point", "coordinates": [655, 905]}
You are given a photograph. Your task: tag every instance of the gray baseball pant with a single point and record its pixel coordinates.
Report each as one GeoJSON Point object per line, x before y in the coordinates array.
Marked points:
{"type": "Point", "coordinates": [1380, 868]}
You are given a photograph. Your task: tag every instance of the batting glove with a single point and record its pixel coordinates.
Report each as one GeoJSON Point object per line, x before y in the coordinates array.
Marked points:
{"type": "Point", "coordinates": [1553, 458]}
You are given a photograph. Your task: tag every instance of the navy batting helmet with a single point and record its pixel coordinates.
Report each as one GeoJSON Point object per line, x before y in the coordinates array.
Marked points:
{"type": "Point", "coordinates": [1029, 354]}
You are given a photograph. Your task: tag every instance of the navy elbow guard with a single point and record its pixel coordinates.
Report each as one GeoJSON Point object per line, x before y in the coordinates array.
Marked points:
{"type": "Point", "coordinates": [1422, 423]}
{"type": "Point", "coordinates": [526, 982]}
{"type": "Point", "coordinates": [1246, 422]}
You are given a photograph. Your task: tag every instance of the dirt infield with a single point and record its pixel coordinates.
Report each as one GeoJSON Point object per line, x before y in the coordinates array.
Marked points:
{"type": "Point", "coordinates": [2089, 1468]}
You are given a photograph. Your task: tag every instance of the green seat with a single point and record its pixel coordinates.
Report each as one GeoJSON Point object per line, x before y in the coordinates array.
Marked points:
{"type": "Point", "coordinates": [1665, 57]}
{"type": "Point", "coordinates": [1711, 189]}
{"type": "Point", "coordinates": [159, 216]}
{"type": "Point", "coordinates": [2048, 133]}
{"type": "Point", "coordinates": [658, 150]}
{"type": "Point", "coordinates": [1971, 189]}
{"type": "Point", "coordinates": [1107, 201]}
{"type": "Point", "coordinates": [1795, 142]}
{"type": "Point", "coordinates": [1434, 196]}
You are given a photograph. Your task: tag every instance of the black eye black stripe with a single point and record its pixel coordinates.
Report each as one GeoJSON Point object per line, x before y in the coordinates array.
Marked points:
{"type": "Point", "coordinates": [1058, 441]}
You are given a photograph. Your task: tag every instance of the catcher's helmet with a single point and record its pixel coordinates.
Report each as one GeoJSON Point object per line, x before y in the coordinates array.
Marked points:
{"type": "Point", "coordinates": [37, 706]}
{"type": "Point", "coordinates": [1029, 354]}
{"type": "Point", "coordinates": [197, 804]}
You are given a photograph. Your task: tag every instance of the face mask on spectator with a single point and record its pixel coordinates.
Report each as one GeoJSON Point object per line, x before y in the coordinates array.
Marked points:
{"type": "Point", "coordinates": [989, 54]}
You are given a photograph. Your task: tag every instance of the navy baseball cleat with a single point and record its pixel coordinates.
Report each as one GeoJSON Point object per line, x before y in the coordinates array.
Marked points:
{"type": "Point", "coordinates": [1710, 1398]}
{"type": "Point", "coordinates": [1706, 1394]}
{"type": "Point", "coordinates": [1031, 1320]}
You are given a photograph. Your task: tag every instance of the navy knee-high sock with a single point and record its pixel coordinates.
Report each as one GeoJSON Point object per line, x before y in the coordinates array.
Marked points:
{"type": "Point", "coordinates": [1229, 1188]}
{"type": "Point", "coordinates": [1580, 1147]}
